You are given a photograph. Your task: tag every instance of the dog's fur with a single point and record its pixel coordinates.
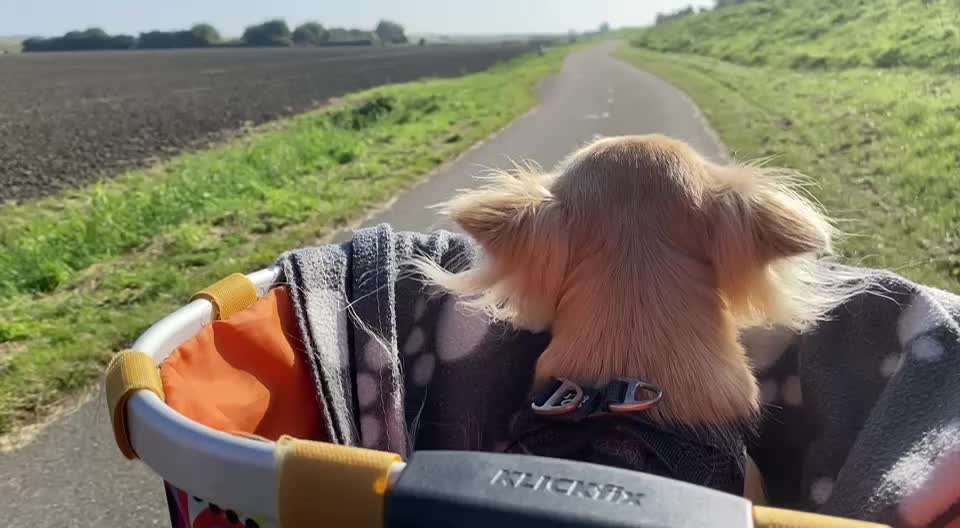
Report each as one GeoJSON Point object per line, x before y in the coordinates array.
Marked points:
{"type": "Point", "coordinates": [645, 260]}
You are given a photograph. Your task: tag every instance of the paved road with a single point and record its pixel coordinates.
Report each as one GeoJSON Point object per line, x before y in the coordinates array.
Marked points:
{"type": "Point", "coordinates": [73, 476]}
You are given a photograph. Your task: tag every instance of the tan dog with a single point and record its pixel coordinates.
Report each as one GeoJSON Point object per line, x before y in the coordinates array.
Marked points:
{"type": "Point", "coordinates": [646, 261]}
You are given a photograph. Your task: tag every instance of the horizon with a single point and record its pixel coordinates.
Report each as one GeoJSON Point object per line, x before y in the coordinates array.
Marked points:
{"type": "Point", "coordinates": [48, 18]}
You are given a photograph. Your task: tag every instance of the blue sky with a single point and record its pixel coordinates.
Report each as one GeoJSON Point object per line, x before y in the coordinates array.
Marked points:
{"type": "Point", "coordinates": [50, 17]}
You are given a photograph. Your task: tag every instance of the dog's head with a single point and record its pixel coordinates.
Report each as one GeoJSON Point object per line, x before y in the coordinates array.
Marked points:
{"type": "Point", "coordinates": [640, 246]}
{"type": "Point", "coordinates": [646, 216]}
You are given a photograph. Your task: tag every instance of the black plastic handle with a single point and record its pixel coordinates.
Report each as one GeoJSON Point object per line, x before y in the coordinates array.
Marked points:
{"type": "Point", "coordinates": [489, 490]}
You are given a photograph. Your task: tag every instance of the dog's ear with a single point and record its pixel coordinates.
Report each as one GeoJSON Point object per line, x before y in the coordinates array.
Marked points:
{"type": "Point", "coordinates": [516, 221]}
{"type": "Point", "coordinates": [757, 216]}
{"type": "Point", "coordinates": [503, 214]}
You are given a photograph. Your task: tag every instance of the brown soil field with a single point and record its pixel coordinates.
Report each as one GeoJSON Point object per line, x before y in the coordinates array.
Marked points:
{"type": "Point", "coordinates": [67, 119]}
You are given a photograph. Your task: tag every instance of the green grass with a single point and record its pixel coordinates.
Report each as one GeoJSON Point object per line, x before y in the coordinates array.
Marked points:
{"type": "Point", "coordinates": [820, 34]}
{"type": "Point", "coordinates": [82, 274]}
{"type": "Point", "coordinates": [862, 95]}
{"type": "Point", "coordinates": [882, 145]}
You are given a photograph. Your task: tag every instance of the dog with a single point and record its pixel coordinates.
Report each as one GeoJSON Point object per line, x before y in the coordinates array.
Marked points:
{"type": "Point", "coordinates": [644, 260]}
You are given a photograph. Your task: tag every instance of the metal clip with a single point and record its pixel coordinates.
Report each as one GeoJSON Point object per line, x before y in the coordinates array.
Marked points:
{"type": "Point", "coordinates": [630, 401]}
{"type": "Point", "coordinates": [565, 399]}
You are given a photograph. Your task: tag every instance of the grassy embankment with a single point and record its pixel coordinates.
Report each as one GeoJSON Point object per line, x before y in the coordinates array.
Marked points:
{"type": "Point", "coordinates": [83, 273]}
{"type": "Point", "coordinates": [864, 97]}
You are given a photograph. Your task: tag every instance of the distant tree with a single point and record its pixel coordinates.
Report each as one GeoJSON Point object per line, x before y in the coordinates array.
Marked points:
{"type": "Point", "coordinates": [310, 33]}
{"type": "Point", "coordinates": [206, 34]}
{"type": "Point", "coordinates": [605, 27]}
{"type": "Point", "coordinates": [159, 40]}
{"type": "Point", "coordinates": [572, 36]}
{"type": "Point", "coordinates": [35, 44]}
{"type": "Point", "coordinates": [91, 34]}
{"type": "Point", "coordinates": [390, 32]}
{"type": "Point", "coordinates": [270, 33]}
{"type": "Point", "coordinates": [88, 39]}
{"type": "Point", "coordinates": [199, 36]}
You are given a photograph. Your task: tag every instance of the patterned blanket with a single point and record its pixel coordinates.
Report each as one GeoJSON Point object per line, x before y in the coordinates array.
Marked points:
{"type": "Point", "coordinates": [862, 414]}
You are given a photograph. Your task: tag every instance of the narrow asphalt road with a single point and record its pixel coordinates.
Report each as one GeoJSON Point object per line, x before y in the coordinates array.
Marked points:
{"type": "Point", "coordinates": [71, 474]}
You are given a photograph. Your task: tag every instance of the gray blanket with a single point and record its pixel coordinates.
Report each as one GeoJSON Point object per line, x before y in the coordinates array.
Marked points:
{"type": "Point", "coordinates": [862, 415]}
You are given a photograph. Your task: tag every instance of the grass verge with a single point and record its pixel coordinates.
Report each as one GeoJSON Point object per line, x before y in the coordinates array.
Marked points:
{"type": "Point", "coordinates": [882, 145]}
{"type": "Point", "coordinates": [82, 274]}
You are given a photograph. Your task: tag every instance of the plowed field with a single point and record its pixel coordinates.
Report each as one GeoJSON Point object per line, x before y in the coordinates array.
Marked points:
{"type": "Point", "coordinates": [67, 119]}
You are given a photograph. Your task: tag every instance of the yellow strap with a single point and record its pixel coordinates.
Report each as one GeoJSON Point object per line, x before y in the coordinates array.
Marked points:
{"type": "Point", "coordinates": [128, 372]}
{"type": "Point", "coordinates": [229, 296]}
{"type": "Point", "coordinates": [331, 485]}
{"type": "Point", "coordinates": [764, 517]}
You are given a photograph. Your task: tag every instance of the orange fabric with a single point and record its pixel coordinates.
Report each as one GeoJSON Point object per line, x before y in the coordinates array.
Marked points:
{"type": "Point", "coordinates": [247, 375]}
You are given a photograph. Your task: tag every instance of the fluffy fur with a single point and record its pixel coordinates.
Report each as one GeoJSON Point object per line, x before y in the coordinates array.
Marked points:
{"type": "Point", "coordinates": [645, 260]}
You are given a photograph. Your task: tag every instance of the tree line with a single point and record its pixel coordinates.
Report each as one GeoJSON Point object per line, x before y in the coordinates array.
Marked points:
{"type": "Point", "coordinates": [270, 33]}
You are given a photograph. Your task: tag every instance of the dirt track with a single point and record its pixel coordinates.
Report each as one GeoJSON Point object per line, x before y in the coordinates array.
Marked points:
{"type": "Point", "coordinates": [69, 118]}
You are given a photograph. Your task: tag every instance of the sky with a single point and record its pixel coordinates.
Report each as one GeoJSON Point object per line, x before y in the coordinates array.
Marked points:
{"type": "Point", "coordinates": [54, 17]}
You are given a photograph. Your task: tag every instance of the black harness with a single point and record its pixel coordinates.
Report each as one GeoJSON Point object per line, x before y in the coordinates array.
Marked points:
{"type": "Point", "coordinates": [606, 426]}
